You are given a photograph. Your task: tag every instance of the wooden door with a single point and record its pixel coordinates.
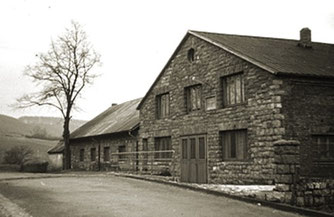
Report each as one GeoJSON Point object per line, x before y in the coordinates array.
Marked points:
{"type": "Point", "coordinates": [193, 159]}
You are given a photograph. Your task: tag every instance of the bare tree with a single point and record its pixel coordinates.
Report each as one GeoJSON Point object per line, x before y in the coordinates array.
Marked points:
{"type": "Point", "coordinates": [62, 73]}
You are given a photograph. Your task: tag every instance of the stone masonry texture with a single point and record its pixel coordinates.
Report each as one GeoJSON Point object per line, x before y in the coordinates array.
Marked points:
{"type": "Point", "coordinates": [275, 107]}
{"type": "Point", "coordinates": [99, 142]}
{"type": "Point", "coordinates": [261, 113]}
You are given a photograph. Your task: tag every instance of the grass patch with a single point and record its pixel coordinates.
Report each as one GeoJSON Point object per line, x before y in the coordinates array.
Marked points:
{"type": "Point", "coordinates": [39, 146]}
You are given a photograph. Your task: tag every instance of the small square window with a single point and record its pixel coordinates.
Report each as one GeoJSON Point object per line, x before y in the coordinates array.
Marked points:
{"type": "Point", "coordinates": [210, 103]}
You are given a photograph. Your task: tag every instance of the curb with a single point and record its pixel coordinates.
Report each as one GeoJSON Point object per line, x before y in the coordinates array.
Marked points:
{"type": "Point", "coordinates": [278, 206]}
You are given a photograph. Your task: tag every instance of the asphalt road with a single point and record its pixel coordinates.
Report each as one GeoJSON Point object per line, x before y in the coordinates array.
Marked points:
{"type": "Point", "coordinates": [118, 197]}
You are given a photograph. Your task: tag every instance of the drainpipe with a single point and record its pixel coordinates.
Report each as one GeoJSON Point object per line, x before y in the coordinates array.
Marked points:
{"type": "Point", "coordinates": [98, 153]}
{"type": "Point", "coordinates": [99, 157]}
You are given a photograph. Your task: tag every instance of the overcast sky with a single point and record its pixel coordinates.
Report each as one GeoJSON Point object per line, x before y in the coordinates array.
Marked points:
{"type": "Point", "coordinates": [136, 38]}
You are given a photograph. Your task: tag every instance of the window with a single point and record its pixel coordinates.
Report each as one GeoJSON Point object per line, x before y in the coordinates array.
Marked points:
{"type": "Point", "coordinates": [93, 154]}
{"type": "Point", "coordinates": [325, 145]}
{"type": "Point", "coordinates": [163, 105]}
{"type": "Point", "coordinates": [82, 154]}
{"type": "Point", "coordinates": [234, 145]}
{"type": "Point", "coordinates": [210, 103]}
{"type": "Point", "coordinates": [121, 149]}
{"type": "Point", "coordinates": [193, 97]}
{"type": "Point", "coordinates": [233, 90]}
{"type": "Point", "coordinates": [193, 147]}
{"type": "Point", "coordinates": [106, 153]}
{"type": "Point", "coordinates": [191, 55]}
{"type": "Point", "coordinates": [163, 144]}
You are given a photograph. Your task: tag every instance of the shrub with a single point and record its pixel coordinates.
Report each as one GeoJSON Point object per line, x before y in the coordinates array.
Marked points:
{"type": "Point", "coordinates": [18, 155]}
{"type": "Point", "coordinates": [165, 172]}
{"type": "Point", "coordinates": [35, 166]}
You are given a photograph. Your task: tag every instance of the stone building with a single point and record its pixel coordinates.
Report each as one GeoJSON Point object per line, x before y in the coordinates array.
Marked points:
{"type": "Point", "coordinates": [222, 101]}
{"type": "Point", "coordinates": [100, 143]}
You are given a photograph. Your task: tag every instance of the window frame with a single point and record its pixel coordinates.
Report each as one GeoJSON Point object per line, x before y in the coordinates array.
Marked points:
{"type": "Point", "coordinates": [230, 153]}
{"type": "Point", "coordinates": [163, 109]}
{"type": "Point", "coordinates": [106, 154]}
{"type": "Point", "coordinates": [163, 144]}
{"type": "Point", "coordinates": [93, 154]}
{"type": "Point", "coordinates": [329, 146]}
{"type": "Point", "coordinates": [82, 155]}
{"type": "Point", "coordinates": [121, 149]}
{"type": "Point", "coordinates": [189, 98]}
{"type": "Point", "coordinates": [227, 85]}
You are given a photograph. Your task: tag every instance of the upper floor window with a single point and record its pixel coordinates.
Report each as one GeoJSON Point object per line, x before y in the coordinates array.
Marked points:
{"type": "Point", "coordinates": [163, 105]}
{"type": "Point", "coordinates": [325, 145]}
{"type": "Point", "coordinates": [234, 144]}
{"type": "Point", "coordinates": [193, 95]}
{"type": "Point", "coordinates": [233, 89]}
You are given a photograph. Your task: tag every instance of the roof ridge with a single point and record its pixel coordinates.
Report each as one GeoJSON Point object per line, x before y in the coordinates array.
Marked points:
{"type": "Point", "coordinates": [253, 36]}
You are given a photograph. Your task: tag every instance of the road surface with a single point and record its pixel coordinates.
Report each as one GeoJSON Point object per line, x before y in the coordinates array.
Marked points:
{"type": "Point", "coordinates": [113, 196]}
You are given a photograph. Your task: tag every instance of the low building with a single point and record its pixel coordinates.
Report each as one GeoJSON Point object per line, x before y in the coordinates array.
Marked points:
{"type": "Point", "coordinates": [103, 142]}
{"type": "Point", "coordinates": [56, 157]}
{"type": "Point", "coordinates": [222, 101]}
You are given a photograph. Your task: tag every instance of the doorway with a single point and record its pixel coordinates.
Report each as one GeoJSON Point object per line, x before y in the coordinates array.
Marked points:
{"type": "Point", "coordinates": [194, 159]}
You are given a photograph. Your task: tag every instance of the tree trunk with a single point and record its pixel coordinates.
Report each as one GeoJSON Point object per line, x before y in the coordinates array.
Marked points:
{"type": "Point", "coordinates": [66, 137]}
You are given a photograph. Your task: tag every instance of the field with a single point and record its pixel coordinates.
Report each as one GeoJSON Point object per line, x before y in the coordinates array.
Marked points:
{"type": "Point", "coordinates": [39, 146]}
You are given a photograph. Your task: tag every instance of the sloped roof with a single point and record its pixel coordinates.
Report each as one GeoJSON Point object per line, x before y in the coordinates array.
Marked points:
{"type": "Point", "coordinates": [118, 118]}
{"type": "Point", "coordinates": [281, 56]}
{"type": "Point", "coordinates": [57, 149]}
{"type": "Point", "coordinates": [278, 56]}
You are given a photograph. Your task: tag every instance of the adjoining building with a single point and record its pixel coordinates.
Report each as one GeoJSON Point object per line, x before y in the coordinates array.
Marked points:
{"type": "Point", "coordinates": [99, 144]}
{"type": "Point", "coordinates": [222, 101]}
{"type": "Point", "coordinates": [56, 156]}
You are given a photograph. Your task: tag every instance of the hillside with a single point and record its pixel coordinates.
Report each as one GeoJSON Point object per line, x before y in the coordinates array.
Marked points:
{"type": "Point", "coordinates": [13, 126]}
{"type": "Point", "coordinates": [14, 132]}
{"type": "Point", "coordinates": [52, 126]}
{"type": "Point", "coordinates": [40, 147]}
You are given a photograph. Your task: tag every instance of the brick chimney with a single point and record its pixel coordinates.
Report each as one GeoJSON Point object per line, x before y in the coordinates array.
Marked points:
{"type": "Point", "coordinates": [113, 104]}
{"type": "Point", "coordinates": [305, 38]}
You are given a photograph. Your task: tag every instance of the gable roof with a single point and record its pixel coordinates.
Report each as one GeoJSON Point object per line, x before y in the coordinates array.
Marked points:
{"type": "Point", "coordinates": [57, 149]}
{"type": "Point", "coordinates": [119, 118]}
{"type": "Point", "coordinates": [277, 56]}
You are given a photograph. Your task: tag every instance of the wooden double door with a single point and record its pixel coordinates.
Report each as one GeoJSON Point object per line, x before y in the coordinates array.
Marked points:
{"type": "Point", "coordinates": [194, 159]}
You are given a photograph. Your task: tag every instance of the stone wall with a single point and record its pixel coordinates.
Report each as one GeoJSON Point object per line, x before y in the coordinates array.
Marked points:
{"type": "Point", "coordinates": [308, 108]}
{"type": "Point", "coordinates": [260, 114]}
{"type": "Point", "coordinates": [294, 189]}
{"type": "Point", "coordinates": [99, 142]}
{"type": "Point", "coordinates": [316, 193]}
